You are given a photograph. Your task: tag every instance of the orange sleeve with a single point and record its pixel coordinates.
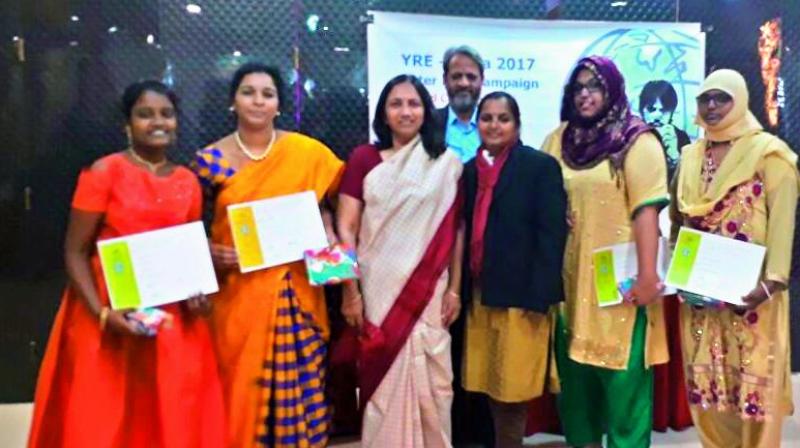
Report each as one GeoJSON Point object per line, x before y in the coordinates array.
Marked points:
{"type": "Point", "coordinates": [94, 188]}
{"type": "Point", "coordinates": [196, 209]}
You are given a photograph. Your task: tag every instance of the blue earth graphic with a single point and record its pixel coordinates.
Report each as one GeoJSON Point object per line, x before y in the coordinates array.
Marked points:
{"type": "Point", "coordinates": [656, 54]}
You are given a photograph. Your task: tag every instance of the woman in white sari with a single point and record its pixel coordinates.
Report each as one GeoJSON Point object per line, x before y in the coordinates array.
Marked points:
{"type": "Point", "coordinates": [399, 206]}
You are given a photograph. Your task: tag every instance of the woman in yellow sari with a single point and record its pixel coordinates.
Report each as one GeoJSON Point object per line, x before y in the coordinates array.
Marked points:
{"type": "Point", "coordinates": [270, 327]}
{"type": "Point", "coordinates": [739, 182]}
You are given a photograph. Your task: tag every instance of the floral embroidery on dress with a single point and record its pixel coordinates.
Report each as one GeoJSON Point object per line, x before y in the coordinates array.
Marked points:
{"type": "Point", "coordinates": [754, 407]}
{"type": "Point", "coordinates": [731, 214]}
{"type": "Point", "coordinates": [723, 380]}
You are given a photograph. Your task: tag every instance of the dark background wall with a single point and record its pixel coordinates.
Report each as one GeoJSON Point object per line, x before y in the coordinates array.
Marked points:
{"type": "Point", "coordinates": [59, 107]}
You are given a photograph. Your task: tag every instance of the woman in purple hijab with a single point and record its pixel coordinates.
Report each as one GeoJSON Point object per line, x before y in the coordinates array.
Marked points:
{"type": "Point", "coordinates": [616, 180]}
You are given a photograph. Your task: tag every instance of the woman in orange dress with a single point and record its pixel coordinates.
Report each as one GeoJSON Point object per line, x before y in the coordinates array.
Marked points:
{"type": "Point", "coordinates": [270, 327]}
{"type": "Point", "coordinates": [102, 382]}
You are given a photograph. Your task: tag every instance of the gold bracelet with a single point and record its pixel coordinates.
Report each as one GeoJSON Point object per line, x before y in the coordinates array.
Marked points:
{"type": "Point", "coordinates": [104, 317]}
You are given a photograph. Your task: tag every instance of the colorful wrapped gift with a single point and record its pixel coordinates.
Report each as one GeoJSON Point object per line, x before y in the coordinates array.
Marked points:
{"type": "Point", "coordinates": [149, 320]}
{"type": "Point", "coordinates": [624, 287]}
{"type": "Point", "coordinates": [331, 265]}
{"type": "Point", "coordinates": [700, 300]}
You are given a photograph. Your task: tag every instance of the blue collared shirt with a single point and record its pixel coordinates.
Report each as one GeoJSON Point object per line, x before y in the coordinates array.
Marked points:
{"type": "Point", "coordinates": [462, 138]}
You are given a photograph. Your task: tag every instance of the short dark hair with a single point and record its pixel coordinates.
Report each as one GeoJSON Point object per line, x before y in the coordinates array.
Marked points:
{"type": "Point", "coordinates": [134, 91]}
{"type": "Point", "coordinates": [655, 90]}
{"type": "Point", "coordinates": [432, 135]}
{"type": "Point", "coordinates": [256, 67]}
{"type": "Point", "coordinates": [464, 50]}
{"type": "Point", "coordinates": [512, 104]}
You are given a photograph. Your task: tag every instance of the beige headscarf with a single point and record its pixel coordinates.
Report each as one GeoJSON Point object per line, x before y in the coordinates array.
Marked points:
{"type": "Point", "coordinates": [751, 145]}
{"type": "Point", "coordinates": [739, 121]}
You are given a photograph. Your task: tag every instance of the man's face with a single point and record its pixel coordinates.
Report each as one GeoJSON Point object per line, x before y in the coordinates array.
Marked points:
{"type": "Point", "coordinates": [463, 82]}
{"type": "Point", "coordinates": [656, 115]}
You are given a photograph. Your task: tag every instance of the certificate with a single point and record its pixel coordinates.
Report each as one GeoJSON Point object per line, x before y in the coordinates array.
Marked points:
{"type": "Point", "coordinates": [276, 231]}
{"type": "Point", "coordinates": [157, 267]}
{"type": "Point", "coordinates": [615, 269]}
{"type": "Point", "coordinates": [714, 266]}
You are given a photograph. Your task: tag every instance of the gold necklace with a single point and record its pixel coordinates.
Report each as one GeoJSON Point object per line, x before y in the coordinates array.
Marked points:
{"type": "Point", "coordinates": [247, 152]}
{"type": "Point", "coordinates": [152, 166]}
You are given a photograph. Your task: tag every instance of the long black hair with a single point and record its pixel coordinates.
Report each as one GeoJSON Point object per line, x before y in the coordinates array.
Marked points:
{"type": "Point", "coordinates": [431, 132]}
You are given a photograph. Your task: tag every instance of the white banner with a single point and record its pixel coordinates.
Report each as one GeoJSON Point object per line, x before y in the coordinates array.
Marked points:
{"type": "Point", "coordinates": [532, 60]}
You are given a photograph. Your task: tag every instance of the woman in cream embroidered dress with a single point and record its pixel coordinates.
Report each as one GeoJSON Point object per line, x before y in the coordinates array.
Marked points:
{"type": "Point", "coordinates": [739, 182]}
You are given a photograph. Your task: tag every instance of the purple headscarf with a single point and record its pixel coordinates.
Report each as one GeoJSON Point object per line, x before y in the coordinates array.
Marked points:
{"type": "Point", "coordinates": [611, 134]}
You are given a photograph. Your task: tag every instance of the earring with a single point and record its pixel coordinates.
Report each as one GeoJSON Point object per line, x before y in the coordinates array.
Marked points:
{"type": "Point", "coordinates": [278, 114]}
{"type": "Point", "coordinates": [128, 134]}
{"type": "Point", "coordinates": [231, 109]}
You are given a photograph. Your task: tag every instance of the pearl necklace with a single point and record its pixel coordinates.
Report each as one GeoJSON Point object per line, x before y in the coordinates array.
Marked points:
{"type": "Point", "coordinates": [247, 152]}
{"type": "Point", "coordinates": [152, 166]}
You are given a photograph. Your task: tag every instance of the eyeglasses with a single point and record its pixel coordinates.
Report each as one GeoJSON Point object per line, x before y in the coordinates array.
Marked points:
{"type": "Point", "coordinates": [592, 86]}
{"type": "Point", "coordinates": [718, 98]}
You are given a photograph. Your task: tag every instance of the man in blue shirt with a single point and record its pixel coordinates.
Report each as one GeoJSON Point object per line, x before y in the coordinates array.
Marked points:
{"type": "Point", "coordinates": [463, 78]}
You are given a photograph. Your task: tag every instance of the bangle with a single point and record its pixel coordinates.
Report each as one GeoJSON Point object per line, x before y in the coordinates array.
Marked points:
{"type": "Point", "coordinates": [453, 294]}
{"type": "Point", "coordinates": [766, 290]}
{"type": "Point", "coordinates": [104, 317]}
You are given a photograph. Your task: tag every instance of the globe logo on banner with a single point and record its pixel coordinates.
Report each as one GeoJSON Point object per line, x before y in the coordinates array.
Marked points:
{"type": "Point", "coordinates": [645, 55]}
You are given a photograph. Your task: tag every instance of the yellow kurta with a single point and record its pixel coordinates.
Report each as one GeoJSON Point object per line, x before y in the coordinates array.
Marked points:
{"type": "Point", "coordinates": [602, 204]}
{"type": "Point", "coordinates": [738, 363]}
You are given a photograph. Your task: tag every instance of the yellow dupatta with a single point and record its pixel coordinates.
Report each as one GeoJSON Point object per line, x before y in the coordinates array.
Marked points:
{"type": "Point", "coordinates": [751, 145]}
